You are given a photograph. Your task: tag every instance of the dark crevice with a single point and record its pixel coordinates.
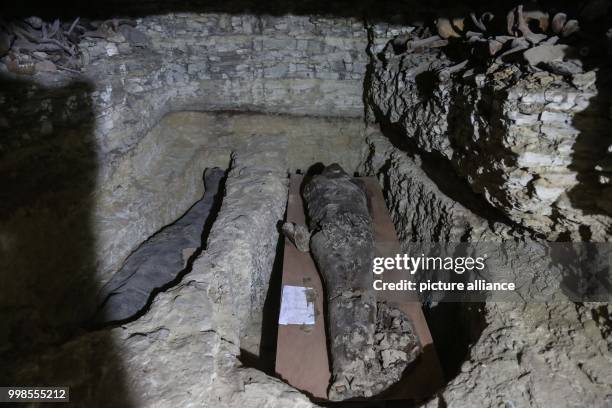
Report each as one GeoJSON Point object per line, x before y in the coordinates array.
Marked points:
{"type": "Point", "coordinates": [455, 327]}
{"type": "Point", "coordinates": [441, 401]}
{"type": "Point", "coordinates": [376, 10]}
{"type": "Point", "coordinates": [426, 83]}
{"type": "Point", "coordinates": [591, 157]}
{"type": "Point", "coordinates": [601, 315]}
{"type": "Point", "coordinates": [399, 403]}
{"type": "Point", "coordinates": [266, 359]}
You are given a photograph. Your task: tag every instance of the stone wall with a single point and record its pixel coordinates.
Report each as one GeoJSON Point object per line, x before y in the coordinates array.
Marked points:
{"type": "Point", "coordinates": [529, 354]}
{"type": "Point", "coordinates": [483, 158]}
{"type": "Point", "coordinates": [306, 66]}
{"type": "Point", "coordinates": [297, 65]}
{"type": "Point", "coordinates": [534, 145]}
{"type": "Point", "coordinates": [87, 181]}
{"type": "Point", "coordinates": [422, 210]}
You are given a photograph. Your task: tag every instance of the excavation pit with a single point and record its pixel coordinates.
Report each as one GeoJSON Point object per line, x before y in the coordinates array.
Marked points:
{"type": "Point", "coordinates": [99, 158]}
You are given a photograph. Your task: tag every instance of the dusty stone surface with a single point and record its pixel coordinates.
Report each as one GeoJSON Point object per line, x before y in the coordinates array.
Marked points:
{"type": "Point", "coordinates": [423, 210]}
{"type": "Point", "coordinates": [184, 351]}
{"type": "Point", "coordinates": [534, 145]}
{"type": "Point", "coordinates": [310, 139]}
{"type": "Point", "coordinates": [535, 355]}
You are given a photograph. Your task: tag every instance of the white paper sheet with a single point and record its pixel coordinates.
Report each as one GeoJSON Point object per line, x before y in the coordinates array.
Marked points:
{"type": "Point", "coordinates": [295, 306]}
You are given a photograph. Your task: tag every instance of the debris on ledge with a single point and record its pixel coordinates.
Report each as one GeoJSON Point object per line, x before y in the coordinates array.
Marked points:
{"type": "Point", "coordinates": [32, 45]}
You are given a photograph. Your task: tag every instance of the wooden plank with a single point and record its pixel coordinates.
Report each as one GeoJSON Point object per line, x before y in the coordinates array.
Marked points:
{"type": "Point", "coordinates": [302, 358]}
{"type": "Point", "coordinates": [425, 376]}
{"type": "Point", "coordinates": [301, 351]}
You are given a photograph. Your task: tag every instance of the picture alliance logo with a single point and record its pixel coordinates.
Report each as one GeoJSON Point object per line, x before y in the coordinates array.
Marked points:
{"type": "Point", "coordinates": [414, 264]}
{"type": "Point", "coordinates": [432, 265]}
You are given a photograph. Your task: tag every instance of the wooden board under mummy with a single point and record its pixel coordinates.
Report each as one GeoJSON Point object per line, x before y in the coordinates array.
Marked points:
{"type": "Point", "coordinates": [302, 357]}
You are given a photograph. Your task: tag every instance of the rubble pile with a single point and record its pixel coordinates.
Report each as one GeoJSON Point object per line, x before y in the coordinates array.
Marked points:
{"type": "Point", "coordinates": [33, 45]}
{"type": "Point", "coordinates": [534, 38]}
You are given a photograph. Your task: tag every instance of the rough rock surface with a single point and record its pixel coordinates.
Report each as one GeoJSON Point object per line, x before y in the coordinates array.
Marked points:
{"type": "Point", "coordinates": [423, 209]}
{"type": "Point", "coordinates": [527, 144]}
{"type": "Point", "coordinates": [535, 355]}
{"type": "Point", "coordinates": [185, 350]}
{"type": "Point", "coordinates": [529, 354]}
{"type": "Point", "coordinates": [535, 145]}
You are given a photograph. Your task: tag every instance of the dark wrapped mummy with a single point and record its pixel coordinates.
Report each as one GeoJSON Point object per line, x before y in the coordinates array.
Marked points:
{"type": "Point", "coordinates": [371, 343]}
{"type": "Point", "coordinates": [158, 261]}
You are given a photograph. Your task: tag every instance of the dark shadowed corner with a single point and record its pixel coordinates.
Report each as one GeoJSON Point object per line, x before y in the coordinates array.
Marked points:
{"type": "Point", "coordinates": [48, 170]}
{"type": "Point", "coordinates": [591, 157]}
